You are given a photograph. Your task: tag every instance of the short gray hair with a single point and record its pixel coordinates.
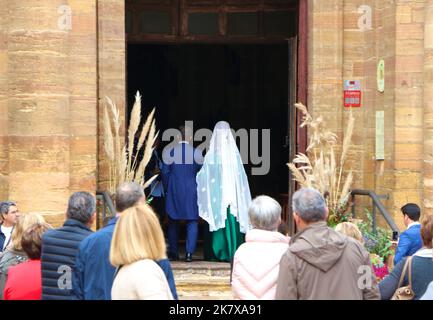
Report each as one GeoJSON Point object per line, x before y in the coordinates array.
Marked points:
{"type": "Point", "coordinates": [265, 213]}
{"type": "Point", "coordinates": [4, 208]}
{"type": "Point", "coordinates": [309, 205]}
{"type": "Point", "coordinates": [81, 206]}
{"type": "Point", "coordinates": [127, 195]}
{"type": "Point", "coordinates": [5, 205]}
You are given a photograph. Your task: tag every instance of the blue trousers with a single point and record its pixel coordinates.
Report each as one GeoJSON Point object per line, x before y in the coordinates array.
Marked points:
{"type": "Point", "coordinates": [173, 236]}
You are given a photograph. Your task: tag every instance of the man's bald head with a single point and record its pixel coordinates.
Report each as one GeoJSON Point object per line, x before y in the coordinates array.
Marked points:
{"type": "Point", "coordinates": [128, 194]}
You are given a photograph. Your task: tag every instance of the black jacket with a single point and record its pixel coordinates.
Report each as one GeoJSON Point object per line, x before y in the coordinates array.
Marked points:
{"type": "Point", "coordinates": [59, 250]}
{"type": "Point", "coordinates": [2, 239]}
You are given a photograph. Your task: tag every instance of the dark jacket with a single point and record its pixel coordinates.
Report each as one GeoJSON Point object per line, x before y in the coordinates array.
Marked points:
{"type": "Point", "coordinates": [422, 275]}
{"type": "Point", "coordinates": [179, 172]}
{"type": "Point", "coordinates": [322, 264]}
{"type": "Point", "coordinates": [59, 250]}
{"type": "Point", "coordinates": [409, 242]}
{"type": "Point", "coordinates": [94, 275]}
{"type": "Point", "coordinates": [2, 239]}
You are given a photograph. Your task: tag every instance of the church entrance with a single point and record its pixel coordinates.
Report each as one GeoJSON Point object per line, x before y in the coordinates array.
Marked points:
{"type": "Point", "coordinates": [245, 85]}
{"type": "Point", "coordinates": [207, 61]}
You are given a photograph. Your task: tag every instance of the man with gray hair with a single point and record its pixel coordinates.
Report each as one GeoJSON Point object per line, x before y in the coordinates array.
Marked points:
{"type": "Point", "coordinates": [322, 264]}
{"type": "Point", "coordinates": [94, 275]}
{"type": "Point", "coordinates": [60, 246]}
{"type": "Point", "coordinates": [8, 218]}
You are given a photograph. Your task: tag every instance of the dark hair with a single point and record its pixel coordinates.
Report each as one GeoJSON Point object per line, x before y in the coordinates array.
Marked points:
{"type": "Point", "coordinates": [81, 206]}
{"type": "Point", "coordinates": [412, 211]}
{"type": "Point", "coordinates": [127, 195]}
{"type": "Point", "coordinates": [32, 239]}
{"type": "Point", "coordinates": [283, 228]}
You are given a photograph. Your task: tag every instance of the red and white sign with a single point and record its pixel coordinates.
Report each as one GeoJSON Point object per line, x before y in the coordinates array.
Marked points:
{"type": "Point", "coordinates": [352, 94]}
{"type": "Point", "coordinates": [352, 99]}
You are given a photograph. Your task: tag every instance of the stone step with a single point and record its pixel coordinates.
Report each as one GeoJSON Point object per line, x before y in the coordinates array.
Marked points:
{"type": "Point", "coordinates": [201, 267]}
{"type": "Point", "coordinates": [202, 280]}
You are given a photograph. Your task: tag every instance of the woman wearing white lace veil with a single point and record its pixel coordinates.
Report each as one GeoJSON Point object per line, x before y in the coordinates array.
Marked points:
{"type": "Point", "coordinates": [223, 195]}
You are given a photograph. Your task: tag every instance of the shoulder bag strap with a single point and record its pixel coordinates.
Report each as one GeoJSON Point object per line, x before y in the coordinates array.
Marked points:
{"type": "Point", "coordinates": [410, 271]}
{"type": "Point", "coordinates": [403, 273]}
{"type": "Point", "coordinates": [117, 271]}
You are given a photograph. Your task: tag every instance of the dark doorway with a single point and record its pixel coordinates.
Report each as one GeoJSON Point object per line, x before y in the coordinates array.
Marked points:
{"type": "Point", "coordinates": [246, 85]}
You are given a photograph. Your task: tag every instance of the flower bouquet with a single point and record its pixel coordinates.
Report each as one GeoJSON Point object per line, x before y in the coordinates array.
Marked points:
{"type": "Point", "coordinates": [379, 267]}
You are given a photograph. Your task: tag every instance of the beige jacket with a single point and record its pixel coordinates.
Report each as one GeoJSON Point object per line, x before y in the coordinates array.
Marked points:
{"type": "Point", "coordinates": [141, 280]}
{"type": "Point", "coordinates": [322, 264]}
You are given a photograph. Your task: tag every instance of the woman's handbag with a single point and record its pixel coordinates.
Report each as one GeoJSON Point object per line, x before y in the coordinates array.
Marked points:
{"type": "Point", "coordinates": [405, 293]}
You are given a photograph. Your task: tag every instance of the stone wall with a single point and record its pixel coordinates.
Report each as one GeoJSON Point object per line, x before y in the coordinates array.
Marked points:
{"type": "Point", "coordinates": [408, 104]}
{"type": "Point", "coordinates": [4, 139]}
{"type": "Point", "coordinates": [47, 103]}
{"type": "Point", "coordinates": [50, 80]}
{"type": "Point", "coordinates": [111, 70]}
{"type": "Point", "coordinates": [340, 50]}
{"type": "Point", "coordinates": [428, 106]}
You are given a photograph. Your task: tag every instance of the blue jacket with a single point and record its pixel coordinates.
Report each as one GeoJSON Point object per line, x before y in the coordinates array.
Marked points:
{"type": "Point", "coordinates": [179, 178]}
{"type": "Point", "coordinates": [94, 275]}
{"type": "Point", "coordinates": [409, 242]}
{"type": "Point", "coordinates": [59, 250]}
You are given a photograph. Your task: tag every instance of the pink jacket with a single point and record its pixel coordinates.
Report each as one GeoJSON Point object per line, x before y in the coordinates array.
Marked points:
{"type": "Point", "coordinates": [256, 265]}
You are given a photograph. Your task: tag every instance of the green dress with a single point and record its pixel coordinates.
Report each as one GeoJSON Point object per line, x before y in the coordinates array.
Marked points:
{"type": "Point", "coordinates": [222, 244]}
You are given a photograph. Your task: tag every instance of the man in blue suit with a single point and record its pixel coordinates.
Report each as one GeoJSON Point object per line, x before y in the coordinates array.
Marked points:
{"type": "Point", "coordinates": [410, 240]}
{"type": "Point", "coordinates": [179, 171]}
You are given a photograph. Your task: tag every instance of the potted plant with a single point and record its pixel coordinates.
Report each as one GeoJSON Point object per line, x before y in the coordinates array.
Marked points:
{"type": "Point", "coordinates": [379, 244]}
{"type": "Point", "coordinates": [127, 162]}
{"type": "Point", "coordinates": [324, 170]}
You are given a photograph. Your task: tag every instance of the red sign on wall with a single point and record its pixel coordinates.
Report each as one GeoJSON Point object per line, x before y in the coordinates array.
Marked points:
{"type": "Point", "coordinates": [352, 98]}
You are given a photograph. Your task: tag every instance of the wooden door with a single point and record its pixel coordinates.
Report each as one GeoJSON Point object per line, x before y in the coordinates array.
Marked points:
{"type": "Point", "coordinates": [292, 128]}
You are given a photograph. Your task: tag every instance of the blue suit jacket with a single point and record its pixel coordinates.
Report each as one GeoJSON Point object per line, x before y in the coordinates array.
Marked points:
{"type": "Point", "coordinates": [180, 167]}
{"type": "Point", "coordinates": [409, 242]}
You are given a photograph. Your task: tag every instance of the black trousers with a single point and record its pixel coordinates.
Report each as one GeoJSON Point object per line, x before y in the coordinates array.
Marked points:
{"type": "Point", "coordinates": [158, 204]}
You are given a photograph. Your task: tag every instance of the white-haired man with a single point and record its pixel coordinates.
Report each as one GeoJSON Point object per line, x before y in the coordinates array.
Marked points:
{"type": "Point", "coordinates": [322, 264]}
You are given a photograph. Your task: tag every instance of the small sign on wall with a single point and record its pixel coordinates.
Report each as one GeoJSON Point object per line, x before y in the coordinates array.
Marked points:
{"type": "Point", "coordinates": [352, 94]}
{"type": "Point", "coordinates": [381, 76]}
{"type": "Point", "coordinates": [380, 135]}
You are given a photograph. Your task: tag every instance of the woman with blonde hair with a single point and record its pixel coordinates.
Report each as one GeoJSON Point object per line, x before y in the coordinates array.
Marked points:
{"type": "Point", "coordinates": [138, 242]}
{"type": "Point", "coordinates": [351, 230]}
{"type": "Point", "coordinates": [14, 253]}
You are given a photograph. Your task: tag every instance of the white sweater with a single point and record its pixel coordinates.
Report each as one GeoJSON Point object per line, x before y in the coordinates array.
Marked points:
{"type": "Point", "coordinates": [141, 280]}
